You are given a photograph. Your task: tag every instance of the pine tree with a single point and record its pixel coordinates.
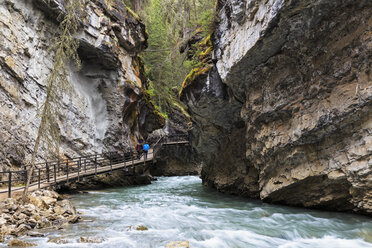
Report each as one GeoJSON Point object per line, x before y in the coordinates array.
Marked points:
{"type": "Point", "coordinates": [65, 49]}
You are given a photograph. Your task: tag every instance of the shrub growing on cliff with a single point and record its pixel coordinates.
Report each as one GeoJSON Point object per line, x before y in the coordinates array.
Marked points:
{"type": "Point", "coordinates": [170, 24]}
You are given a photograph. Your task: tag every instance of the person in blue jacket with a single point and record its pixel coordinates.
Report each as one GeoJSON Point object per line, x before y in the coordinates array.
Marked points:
{"type": "Point", "coordinates": [146, 148]}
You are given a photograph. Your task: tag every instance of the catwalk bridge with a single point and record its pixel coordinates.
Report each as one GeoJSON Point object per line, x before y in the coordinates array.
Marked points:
{"type": "Point", "coordinates": [54, 173]}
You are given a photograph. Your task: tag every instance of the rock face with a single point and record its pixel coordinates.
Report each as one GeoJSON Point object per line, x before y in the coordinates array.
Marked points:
{"type": "Point", "coordinates": [179, 160]}
{"type": "Point", "coordinates": [286, 113]}
{"type": "Point", "coordinates": [107, 111]}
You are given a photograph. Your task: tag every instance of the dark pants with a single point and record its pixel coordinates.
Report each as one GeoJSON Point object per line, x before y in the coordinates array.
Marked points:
{"type": "Point", "coordinates": [139, 153]}
{"type": "Point", "coordinates": [145, 152]}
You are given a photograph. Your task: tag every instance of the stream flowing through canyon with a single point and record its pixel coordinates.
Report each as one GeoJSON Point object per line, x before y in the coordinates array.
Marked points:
{"type": "Point", "coordinates": [180, 208]}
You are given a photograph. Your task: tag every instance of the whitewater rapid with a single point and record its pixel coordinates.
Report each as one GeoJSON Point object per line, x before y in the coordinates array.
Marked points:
{"type": "Point", "coordinates": [180, 208]}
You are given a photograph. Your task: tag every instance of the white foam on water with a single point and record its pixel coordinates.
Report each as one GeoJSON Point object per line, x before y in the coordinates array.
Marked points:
{"type": "Point", "coordinates": [180, 208]}
{"type": "Point", "coordinates": [327, 241]}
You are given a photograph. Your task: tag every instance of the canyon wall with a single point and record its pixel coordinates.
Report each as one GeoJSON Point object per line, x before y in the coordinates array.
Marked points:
{"type": "Point", "coordinates": [285, 114]}
{"type": "Point", "coordinates": [106, 111]}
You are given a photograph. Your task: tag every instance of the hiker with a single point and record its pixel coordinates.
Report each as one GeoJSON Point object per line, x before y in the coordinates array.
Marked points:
{"type": "Point", "coordinates": [139, 149]}
{"type": "Point", "coordinates": [146, 148]}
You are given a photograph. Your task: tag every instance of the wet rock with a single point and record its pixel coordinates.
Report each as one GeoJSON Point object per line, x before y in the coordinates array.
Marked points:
{"type": "Point", "coordinates": [63, 207]}
{"type": "Point", "coordinates": [73, 219]}
{"type": "Point", "coordinates": [21, 217]}
{"type": "Point", "coordinates": [178, 244]}
{"type": "Point", "coordinates": [23, 228]}
{"type": "Point", "coordinates": [29, 209]}
{"type": "Point", "coordinates": [2, 221]}
{"type": "Point", "coordinates": [93, 240]}
{"type": "Point", "coordinates": [37, 202]}
{"type": "Point", "coordinates": [20, 243]}
{"type": "Point", "coordinates": [35, 234]}
{"type": "Point", "coordinates": [58, 240]}
{"type": "Point", "coordinates": [49, 201]}
{"type": "Point", "coordinates": [141, 228]}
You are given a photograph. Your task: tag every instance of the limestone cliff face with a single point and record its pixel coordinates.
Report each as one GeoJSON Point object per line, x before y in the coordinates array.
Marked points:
{"type": "Point", "coordinates": [107, 111]}
{"type": "Point", "coordinates": [286, 113]}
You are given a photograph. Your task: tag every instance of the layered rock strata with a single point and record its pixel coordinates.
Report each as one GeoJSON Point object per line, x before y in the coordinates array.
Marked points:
{"type": "Point", "coordinates": [107, 111]}
{"type": "Point", "coordinates": [286, 113]}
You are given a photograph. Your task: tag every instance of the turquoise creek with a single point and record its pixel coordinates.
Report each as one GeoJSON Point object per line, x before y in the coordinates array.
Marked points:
{"type": "Point", "coordinates": [180, 208]}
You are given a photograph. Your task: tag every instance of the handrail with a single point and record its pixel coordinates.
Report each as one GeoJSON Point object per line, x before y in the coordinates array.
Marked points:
{"type": "Point", "coordinates": [54, 171]}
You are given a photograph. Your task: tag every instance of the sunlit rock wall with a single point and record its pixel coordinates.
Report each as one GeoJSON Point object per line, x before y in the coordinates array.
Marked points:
{"type": "Point", "coordinates": [106, 112]}
{"type": "Point", "coordinates": [298, 75]}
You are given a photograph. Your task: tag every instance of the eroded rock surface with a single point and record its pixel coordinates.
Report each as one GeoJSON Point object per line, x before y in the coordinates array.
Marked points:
{"type": "Point", "coordinates": [107, 111]}
{"type": "Point", "coordinates": [176, 160]}
{"type": "Point", "coordinates": [292, 122]}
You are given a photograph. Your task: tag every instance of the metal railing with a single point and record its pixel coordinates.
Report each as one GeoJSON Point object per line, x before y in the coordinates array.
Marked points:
{"type": "Point", "coordinates": [54, 172]}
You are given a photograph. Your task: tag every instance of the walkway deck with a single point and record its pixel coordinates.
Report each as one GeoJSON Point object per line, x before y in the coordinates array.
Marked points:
{"type": "Point", "coordinates": [61, 172]}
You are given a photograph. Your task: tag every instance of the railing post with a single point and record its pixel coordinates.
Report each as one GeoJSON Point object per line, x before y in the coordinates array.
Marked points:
{"type": "Point", "coordinates": [95, 163]}
{"type": "Point", "coordinates": [58, 166]}
{"type": "Point", "coordinates": [39, 177]}
{"type": "Point", "coordinates": [124, 158]}
{"type": "Point", "coordinates": [47, 171]}
{"type": "Point", "coordinates": [132, 155]}
{"type": "Point", "coordinates": [79, 165]}
{"type": "Point", "coordinates": [67, 169]}
{"type": "Point", "coordinates": [55, 173]}
{"type": "Point", "coordinates": [110, 158]}
{"type": "Point", "coordinates": [25, 175]}
{"type": "Point", "coordinates": [85, 165]}
{"type": "Point", "coordinates": [10, 185]}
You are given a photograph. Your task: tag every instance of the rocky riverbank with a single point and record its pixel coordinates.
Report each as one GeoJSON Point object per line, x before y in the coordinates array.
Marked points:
{"type": "Point", "coordinates": [43, 209]}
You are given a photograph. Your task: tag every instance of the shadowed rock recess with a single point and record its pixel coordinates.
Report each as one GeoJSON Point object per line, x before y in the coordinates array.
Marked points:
{"type": "Point", "coordinates": [107, 111]}
{"type": "Point", "coordinates": [285, 115]}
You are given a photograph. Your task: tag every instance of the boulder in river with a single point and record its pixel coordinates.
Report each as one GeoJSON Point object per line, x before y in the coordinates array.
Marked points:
{"type": "Point", "coordinates": [91, 240]}
{"type": "Point", "coordinates": [178, 244]}
{"type": "Point", "coordinates": [141, 228]}
{"type": "Point", "coordinates": [20, 243]}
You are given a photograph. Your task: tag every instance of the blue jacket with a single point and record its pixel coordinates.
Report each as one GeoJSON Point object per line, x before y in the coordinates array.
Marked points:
{"type": "Point", "coordinates": [146, 147]}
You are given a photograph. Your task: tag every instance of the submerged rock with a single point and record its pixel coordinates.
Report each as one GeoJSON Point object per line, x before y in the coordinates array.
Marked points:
{"type": "Point", "coordinates": [178, 244]}
{"type": "Point", "coordinates": [35, 234]}
{"type": "Point", "coordinates": [20, 243]}
{"type": "Point", "coordinates": [141, 228]}
{"type": "Point", "coordinates": [91, 240]}
{"type": "Point", "coordinates": [58, 240]}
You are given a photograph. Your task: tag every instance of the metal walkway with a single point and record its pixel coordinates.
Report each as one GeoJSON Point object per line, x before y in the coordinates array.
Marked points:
{"type": "Point", "coordinates": [59, 172]}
